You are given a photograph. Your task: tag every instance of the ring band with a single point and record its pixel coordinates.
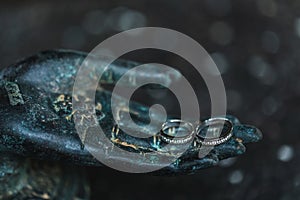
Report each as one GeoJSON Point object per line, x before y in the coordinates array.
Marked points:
{"type": "Point", "coordinates": [214, 131]}
{"type": "Point", "coordinates": [176, 131]}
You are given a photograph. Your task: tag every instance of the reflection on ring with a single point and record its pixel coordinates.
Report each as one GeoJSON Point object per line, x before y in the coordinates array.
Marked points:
{"type": "Point", "coordinates": [176, 131]}
{"type": "Point", "coordinates": [214, 131]}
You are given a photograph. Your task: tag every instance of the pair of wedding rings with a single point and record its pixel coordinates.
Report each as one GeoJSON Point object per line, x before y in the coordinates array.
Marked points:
{"type": "Point", "coordinates": [213, 131]}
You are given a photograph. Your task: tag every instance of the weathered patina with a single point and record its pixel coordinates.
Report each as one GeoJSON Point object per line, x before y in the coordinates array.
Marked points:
{"type": "Point", "coordinates": [37, 116]}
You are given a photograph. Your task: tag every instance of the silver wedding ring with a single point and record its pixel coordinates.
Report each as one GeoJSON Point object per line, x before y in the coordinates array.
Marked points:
{"type": "Point", "coordinates": [176, 131]}
{"type": "Point", "coordinates": [214, 131]}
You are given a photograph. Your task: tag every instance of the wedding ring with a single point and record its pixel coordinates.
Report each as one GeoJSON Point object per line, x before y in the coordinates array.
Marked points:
{"type": "Point", "coordinates": [176, 131]}
{"type": "Point", "coordinates": [214, 131]}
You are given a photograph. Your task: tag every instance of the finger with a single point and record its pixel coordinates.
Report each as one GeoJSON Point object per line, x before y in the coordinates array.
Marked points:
{"type": "Point", "coordinates": [136, 113]}
{"type": "Point", "coordinates": [229, 149]}
{"type": "Point", "coordinates": [134, 78]}
{"type": "Point", "coordinates": [232, 118]}
{"type": "Point", "coordinates": [247, 133]}
{"type": "Point", "coordinates": [62, 67]}
{"type": "Point", "coordinates": [182, 166]}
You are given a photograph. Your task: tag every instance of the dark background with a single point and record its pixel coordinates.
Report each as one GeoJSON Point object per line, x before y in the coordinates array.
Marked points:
{"type": "Point", "coordinates": [256, 47]}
